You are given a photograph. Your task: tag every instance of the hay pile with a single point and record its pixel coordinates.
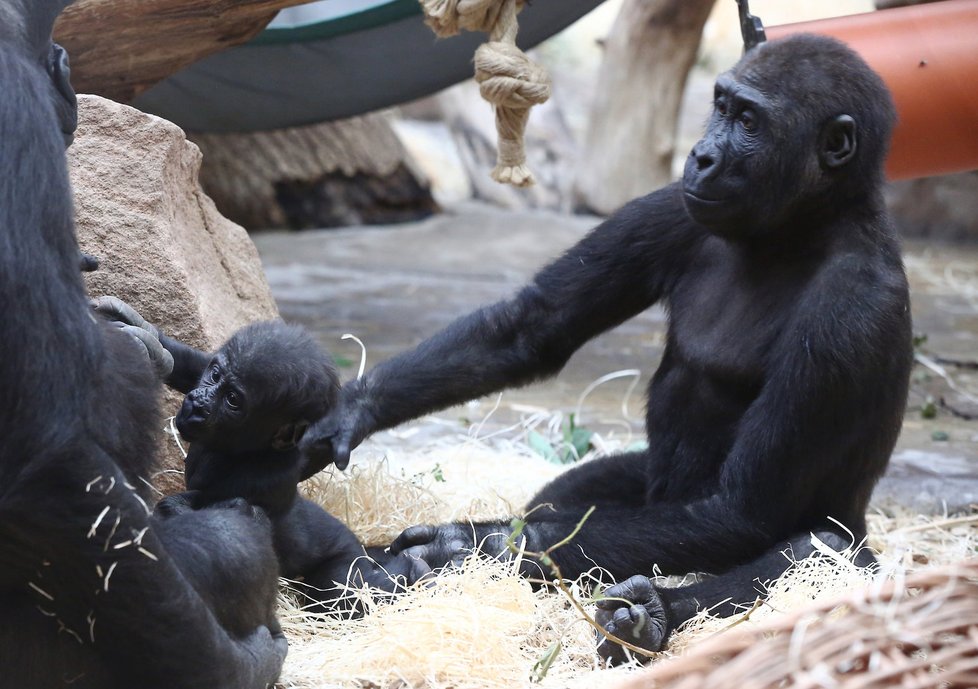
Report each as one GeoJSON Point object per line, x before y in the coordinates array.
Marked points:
{"type": "Point", "coordinates": [482, 627]}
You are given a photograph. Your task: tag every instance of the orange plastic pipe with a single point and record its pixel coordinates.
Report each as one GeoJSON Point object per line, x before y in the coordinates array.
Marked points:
{"type": "Point", "coordinates": [928, 56]}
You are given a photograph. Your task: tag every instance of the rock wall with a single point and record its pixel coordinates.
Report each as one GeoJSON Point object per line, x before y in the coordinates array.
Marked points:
{"type": "Point", "coordinates": [162, 245]}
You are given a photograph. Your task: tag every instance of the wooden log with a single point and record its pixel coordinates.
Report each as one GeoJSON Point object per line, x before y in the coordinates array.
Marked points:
{"type": "Point", "coordinates": [631, 134]}
{"type": "Point", "coordinates": [119, 48]}
{"type": "Point", "coordinates": [348, 172]}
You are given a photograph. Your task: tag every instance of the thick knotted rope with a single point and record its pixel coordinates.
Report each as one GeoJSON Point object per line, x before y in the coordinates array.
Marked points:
{"type": "Point", "coordinates": [506, 76]}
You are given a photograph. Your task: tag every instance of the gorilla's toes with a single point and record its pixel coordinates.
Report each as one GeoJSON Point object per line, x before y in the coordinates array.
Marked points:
{"type": "Point", "coordinates": [634, 612]}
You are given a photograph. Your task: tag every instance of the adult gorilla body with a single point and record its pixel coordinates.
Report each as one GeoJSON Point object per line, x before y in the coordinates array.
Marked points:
{"type": "Point", "coordinates": [781, 390]}
{"type": "Point", "coordinates": [89, 595]}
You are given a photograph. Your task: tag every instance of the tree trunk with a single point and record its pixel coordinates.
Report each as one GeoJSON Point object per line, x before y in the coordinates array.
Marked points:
{"type": "Point", "coordinates": [631, 134]}
{"type": "Point", "coordinates": [119, 48]}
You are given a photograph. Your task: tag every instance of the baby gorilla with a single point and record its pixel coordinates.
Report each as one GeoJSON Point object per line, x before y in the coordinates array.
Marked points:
{"type": "Point", "coordinates": [246, 407]}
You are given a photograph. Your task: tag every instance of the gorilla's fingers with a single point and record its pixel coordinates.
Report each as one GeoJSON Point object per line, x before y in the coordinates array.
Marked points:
{"type": "Point", "coordinates": [633, 611]}
{"type": "Point", "coordinates": [404, 570]}
{"type": "Point", "coordinates": [172, 505]}
{"type": "Point", "coordinates": [418, 569]}
{"type": "Point", "coordinates": [635, 589]}
{"type": "Point", "coordinates": [87, 263]}
{"type": "Point", "coordinates": [341, 453]}
{"type": "Point", "coordinates": [413, 536]}
{"type": "Point", "coordinates": [161, 360]}
{"type": "Point", "coordinates": [317, 447]}
{"type": "Point", "coordinates": [114, 309]}
{"type": "Point", "coordinates": [268, 651]}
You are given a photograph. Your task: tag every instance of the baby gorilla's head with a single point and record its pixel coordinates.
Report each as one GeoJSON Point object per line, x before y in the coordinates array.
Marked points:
{"type": "Point", "coordinates": [260, 392]}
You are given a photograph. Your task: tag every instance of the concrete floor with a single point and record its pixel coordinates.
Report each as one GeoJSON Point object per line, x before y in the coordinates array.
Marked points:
{"type": "Point", "coordinates": [393, 286]}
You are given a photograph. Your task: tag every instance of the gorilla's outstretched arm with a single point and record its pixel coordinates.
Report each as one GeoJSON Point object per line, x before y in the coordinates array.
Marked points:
{"type": "Point", "coordinates": [617, 271]}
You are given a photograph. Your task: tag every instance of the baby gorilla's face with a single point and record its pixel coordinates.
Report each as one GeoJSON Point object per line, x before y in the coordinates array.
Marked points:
{"type": "Point", "coordinates": [223, 414]}
{"type": "Point", "coordinates": [260, 392]}
{"type": "Point", "coordinates": [217, 403]}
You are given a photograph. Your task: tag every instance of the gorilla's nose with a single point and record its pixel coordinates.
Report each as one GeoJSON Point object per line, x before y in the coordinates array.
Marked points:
{"type": "Point", "coordinates": [191, 417]}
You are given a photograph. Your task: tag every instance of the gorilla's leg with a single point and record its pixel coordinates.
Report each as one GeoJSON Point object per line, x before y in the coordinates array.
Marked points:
{"type": "Point", "coordinates": [637, 611]}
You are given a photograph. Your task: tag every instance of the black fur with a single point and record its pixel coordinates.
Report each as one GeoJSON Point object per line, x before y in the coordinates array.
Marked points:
{"type": "Point", "coordinates": [248, 407]}
{"type": "Point", "coordinates": [92, 594]}
{"type": "Point", "coordinates": [782, 387]}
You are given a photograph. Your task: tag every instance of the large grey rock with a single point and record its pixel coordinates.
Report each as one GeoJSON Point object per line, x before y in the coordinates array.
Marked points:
{"type": "Point", "coordinates": [163, 246]}
{"type": "Point", "coordinates": [929, 482]}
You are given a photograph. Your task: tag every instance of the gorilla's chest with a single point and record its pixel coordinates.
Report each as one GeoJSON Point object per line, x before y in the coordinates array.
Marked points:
{"type": "Point", "coordinates": [725, 317]}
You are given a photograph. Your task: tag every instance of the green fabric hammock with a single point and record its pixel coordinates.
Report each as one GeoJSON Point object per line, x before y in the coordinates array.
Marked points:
{"type": "Point", "coordinates": [332, 59]}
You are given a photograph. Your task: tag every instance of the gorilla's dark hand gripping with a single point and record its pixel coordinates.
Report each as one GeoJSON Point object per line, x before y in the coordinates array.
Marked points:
{"type": "Point", "coordinates": [127, 319]}
{"type": "Point", "coordinates": [633, 611]}
{"type": "Point", "coordinates": [335, 436]}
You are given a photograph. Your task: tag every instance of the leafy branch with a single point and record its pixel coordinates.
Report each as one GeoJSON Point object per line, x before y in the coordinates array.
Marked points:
{"type": "Point", "coordinates": [542, 666]}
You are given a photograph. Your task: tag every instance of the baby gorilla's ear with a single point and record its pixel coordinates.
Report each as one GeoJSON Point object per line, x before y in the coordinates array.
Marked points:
{"type": "Point", "coordinates": [289, 435]}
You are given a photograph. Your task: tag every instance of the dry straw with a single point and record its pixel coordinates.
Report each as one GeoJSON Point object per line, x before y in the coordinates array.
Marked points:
{"type": "Point", "coordinates": [483, 627]}
{"type": "Point", "coordinates": [507, 78]}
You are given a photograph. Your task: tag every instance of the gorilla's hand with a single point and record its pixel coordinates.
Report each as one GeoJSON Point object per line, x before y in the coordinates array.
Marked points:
{"type": "Point", "coordinates": [114, 309]}
{"type": "Point", "coordinates": [403, 568]}
{"type": "Point", "coordinates": [178, 503]}
{"type": "Point", "coordinates": [336, 435]}
{"type": "Point", "coordinates": [633, 611]}
{"type": "Point", "coordinates": [263, 652]}
{"type": "Point", "coordinates": [436, 546]}
{"type": "Point", "coordinates": [393, 574]}
{"type": "Point", "coordinates": [127, 319]}
{"type": "Point", "coordinates": [160, 359]}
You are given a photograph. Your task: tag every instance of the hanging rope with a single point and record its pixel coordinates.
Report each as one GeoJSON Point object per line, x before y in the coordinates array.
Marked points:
{"type": "Point", "coordinates": [506, 76]}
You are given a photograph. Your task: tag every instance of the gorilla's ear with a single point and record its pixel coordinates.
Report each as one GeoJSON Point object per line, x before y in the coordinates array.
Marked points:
{"type": "Point", "coordinates": [289, 435]}
{"type": "Point", "coordinates": [837, 142]}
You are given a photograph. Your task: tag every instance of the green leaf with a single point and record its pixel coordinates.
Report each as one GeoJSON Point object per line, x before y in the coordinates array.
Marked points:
{"type": "Point", "coordinates": [542, 666]}
{"type": "Point", "coordinates": [516, 527]}
{"type": "Point", "coordinates": [542, 446]}
{"type": "Point", "coordinates": [437, 473]}
{"type": "Point", "coordinates": [581, 440]}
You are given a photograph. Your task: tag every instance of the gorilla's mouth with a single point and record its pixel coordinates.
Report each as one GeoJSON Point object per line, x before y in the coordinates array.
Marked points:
{"type": "Point", "coordinates": [190, 422]}
{"type": "Point", "coordinates": [703, 200]}
{"type": "Point", "coordinates": [189, 428]}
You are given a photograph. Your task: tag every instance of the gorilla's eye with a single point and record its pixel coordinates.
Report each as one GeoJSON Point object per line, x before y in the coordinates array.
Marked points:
{"type": "Point", "coordinates": [721, 106]}
{"type": "Point", "coordinates": [748, 120]}
{"type": "Point", "coordinates": [215, 375]}
{"type": "Point", "coordinates": [232, 399]}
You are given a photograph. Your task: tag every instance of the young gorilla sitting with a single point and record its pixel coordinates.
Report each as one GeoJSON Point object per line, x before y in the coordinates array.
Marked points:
{"type": "Point", "coordinates": [246, 408]}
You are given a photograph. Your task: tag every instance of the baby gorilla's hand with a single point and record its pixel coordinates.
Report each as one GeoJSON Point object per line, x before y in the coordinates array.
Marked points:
{"type": "Point", "coordinates": [634, 612]}
{"type": "Point", "coordinates": [173, 505]}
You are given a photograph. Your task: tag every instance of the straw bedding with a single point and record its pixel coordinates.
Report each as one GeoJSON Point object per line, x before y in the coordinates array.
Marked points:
{"type": "Point", "coordinates": [483, 627]}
